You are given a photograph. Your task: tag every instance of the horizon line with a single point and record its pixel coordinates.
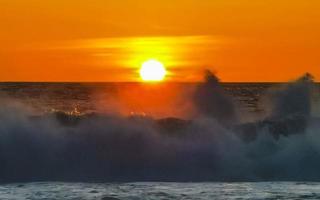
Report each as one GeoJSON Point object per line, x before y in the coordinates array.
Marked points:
{"type": "Point", "coordinates": [151, 83]}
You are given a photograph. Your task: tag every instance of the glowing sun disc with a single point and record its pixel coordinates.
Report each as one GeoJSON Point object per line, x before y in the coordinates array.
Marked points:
{"type": "Point", "coordinates": [152, 70]}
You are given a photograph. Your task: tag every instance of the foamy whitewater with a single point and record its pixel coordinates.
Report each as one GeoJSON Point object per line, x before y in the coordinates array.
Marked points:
{"type": "Point", "coordinates": [221, 142]}
{"type": "Point", "coordinates": [161, 191]}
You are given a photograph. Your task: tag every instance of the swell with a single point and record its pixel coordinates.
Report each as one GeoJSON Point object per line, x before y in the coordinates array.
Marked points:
{"type": "Point", "coordinates": [213, 146]}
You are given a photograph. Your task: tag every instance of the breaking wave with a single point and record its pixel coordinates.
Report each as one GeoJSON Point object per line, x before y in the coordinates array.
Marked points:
{"type": "Point", "coordinates": [215, 146]}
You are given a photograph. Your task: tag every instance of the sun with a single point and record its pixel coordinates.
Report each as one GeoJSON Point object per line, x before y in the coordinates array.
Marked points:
{"type": "Point", "coordinates": [153, 71]}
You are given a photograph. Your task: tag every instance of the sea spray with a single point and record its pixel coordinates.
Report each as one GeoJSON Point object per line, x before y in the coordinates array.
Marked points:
{"type": "Point", "coordinates": [107, 147]}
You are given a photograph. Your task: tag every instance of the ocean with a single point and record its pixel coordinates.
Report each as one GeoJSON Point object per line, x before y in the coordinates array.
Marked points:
{"type": "Point", "coordinates": [159, 141]}
{"type": "Point", "coordinates": [161, 191]}
{"type": "Point", "coordinates": [67, 97]}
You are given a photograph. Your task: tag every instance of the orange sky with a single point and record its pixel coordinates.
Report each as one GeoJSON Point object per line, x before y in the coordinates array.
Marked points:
{"type": "Point", "coordinates": [106, 40]}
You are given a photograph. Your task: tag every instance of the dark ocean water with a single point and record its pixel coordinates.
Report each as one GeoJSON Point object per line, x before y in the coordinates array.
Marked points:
{"type": "Point", "coordinates": [79, 133]}
{"type": "Point", "coordinates": [83, 97]}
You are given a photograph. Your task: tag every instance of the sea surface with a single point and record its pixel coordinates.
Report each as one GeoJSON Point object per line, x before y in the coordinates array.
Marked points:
{"type": "Point", "coordinates": [88, 97]}
{"type": "Point", "coordinates": [266, 157]}
{"type": "Point", "coordinates": [157, 191]}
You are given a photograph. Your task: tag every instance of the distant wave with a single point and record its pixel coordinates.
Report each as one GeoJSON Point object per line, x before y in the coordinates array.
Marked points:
{"type": "Point", "coordinates": [214, 146]}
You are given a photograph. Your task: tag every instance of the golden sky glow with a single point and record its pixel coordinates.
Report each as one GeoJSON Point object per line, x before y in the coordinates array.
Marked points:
{"type": "Point", "coordinates": [98, 40]}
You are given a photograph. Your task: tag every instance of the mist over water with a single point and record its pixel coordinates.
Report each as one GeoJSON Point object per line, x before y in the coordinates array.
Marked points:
{"type": "Point", "coordinates": [213, 145]}
{"type": "Point", "coordinates": [211, 100]}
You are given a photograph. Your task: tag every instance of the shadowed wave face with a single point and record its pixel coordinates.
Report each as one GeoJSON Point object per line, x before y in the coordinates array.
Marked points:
{"type": "Point", "coordinates": [285, 145]}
